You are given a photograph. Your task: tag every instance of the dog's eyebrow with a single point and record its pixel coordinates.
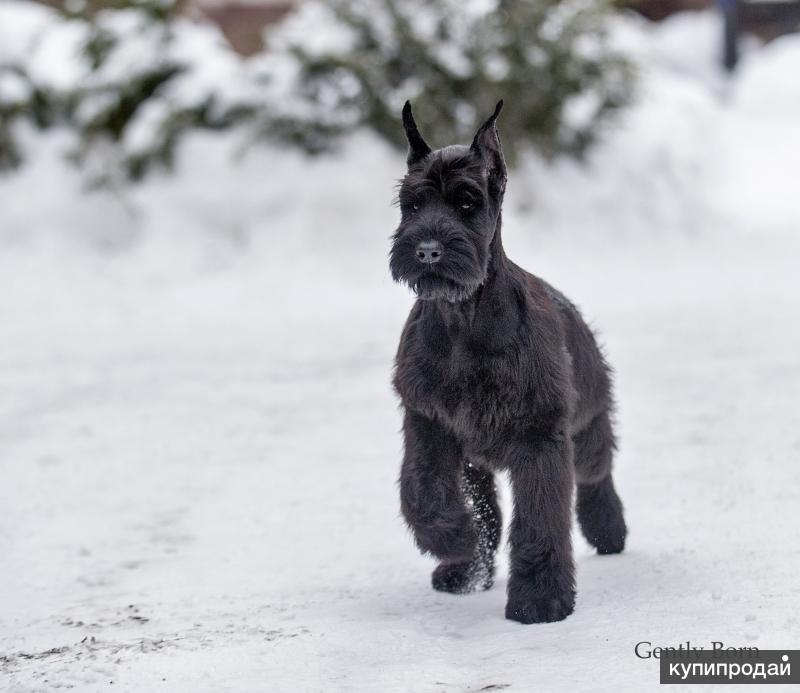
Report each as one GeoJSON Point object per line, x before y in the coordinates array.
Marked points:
{"type": "Point", "coordinates": [418, 188]}
{"type": "Point", "coordinates": [458, 176]}
{"type": "Point", "coordinates": [459, 184]}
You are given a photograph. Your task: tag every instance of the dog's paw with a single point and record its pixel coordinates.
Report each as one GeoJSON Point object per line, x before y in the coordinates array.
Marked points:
{"type": "Point", "coordinates": [529, 606]}
{"type": "Point", "coordinates": [607, 537]}
{"type": "Point", "coordinates": [613, 541]}
{"type": "Point", "coordinates": [610, 537]}
{"type": "Point", "coordinates": [600, 517]}
{"type": "Point", "coordinates": [462, 578]}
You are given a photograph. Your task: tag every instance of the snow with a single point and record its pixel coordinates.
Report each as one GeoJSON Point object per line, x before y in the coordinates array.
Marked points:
{"type": "Point", "coordinates": [20, 25]}
{"type": "Point", "coordinates": [13, 89]}
{"type": "Point", "coordinates": [199, 444]}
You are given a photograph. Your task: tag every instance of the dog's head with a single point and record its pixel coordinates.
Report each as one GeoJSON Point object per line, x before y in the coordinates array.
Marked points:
{"type": "Point", "coordinates": [450, 203]}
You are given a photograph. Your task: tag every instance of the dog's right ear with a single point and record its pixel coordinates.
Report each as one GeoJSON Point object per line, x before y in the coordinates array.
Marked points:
{"type": "Point", "coordinates": [418, 148]}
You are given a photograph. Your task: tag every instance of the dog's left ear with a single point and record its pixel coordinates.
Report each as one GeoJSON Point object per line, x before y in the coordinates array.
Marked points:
{"type": "Point", "coordinates": [487, 146]}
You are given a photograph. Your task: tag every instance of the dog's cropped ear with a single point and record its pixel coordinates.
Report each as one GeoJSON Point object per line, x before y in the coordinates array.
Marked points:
{"type": "Point", "coordinates": [487, 146]}
{"type": "Point", "coordinates": [418, 149]}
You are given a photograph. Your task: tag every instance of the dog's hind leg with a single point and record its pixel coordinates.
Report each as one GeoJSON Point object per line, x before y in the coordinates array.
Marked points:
{"type": "Point", "coordinates": [477, 573]}
{"type": "Point", "coordinates": [431, 494]}
{"type": "Point", "coordinates": [598, 505]}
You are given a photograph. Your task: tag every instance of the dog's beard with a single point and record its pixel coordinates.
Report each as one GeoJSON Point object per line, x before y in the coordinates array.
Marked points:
{"type": "Point", "coordinates": [455, 278]}
{"type": "Point", "coordinates": [430, 287]}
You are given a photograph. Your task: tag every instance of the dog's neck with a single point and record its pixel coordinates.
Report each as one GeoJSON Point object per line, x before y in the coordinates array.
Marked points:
{"type": "Point", "coordinates": [490, 315]}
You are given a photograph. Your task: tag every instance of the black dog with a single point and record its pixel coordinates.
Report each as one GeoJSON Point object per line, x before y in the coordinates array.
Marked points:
{"type": "Point", "coordinates": [496, 370]}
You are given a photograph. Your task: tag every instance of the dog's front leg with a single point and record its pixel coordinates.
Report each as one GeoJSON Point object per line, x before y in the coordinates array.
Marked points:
{"type": "Point", "coordinates": [431, 496]}
{"type": "Point", "coordinates": [541, 585]}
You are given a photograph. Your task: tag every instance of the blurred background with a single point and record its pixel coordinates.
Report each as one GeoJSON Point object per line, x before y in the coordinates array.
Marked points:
{"type": "Point", "coordinates": [198, 440]}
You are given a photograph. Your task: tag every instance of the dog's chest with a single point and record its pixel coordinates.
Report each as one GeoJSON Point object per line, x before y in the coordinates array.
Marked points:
{"type": "Point", "coordinates": [476, 396]}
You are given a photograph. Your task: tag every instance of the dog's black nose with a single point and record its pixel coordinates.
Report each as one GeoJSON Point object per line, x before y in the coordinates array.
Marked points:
{"type": "Point", "coordinates": [429, 252]}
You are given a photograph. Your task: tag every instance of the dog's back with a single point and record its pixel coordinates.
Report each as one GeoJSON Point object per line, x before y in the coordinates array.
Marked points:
{"type": "Point", "coordinates": [591, 374]}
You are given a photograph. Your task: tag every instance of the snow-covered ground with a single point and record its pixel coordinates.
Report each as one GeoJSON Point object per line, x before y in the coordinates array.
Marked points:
{"type": "Point", "coordinates": [199, 444]}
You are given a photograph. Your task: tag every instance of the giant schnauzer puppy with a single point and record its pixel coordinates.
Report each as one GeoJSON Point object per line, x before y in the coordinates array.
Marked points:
{"type": "Point", "coordinates": [496, 370]}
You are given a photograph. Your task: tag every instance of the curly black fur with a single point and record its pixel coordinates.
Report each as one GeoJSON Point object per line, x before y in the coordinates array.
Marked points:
{"type": "Point", "coordinates": [496, 370]}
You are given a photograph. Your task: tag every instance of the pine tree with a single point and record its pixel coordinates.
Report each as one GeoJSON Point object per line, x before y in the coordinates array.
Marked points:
{"type": "Point", "coordinates": [21, 101]}
{"type": "Point", "coordinates": [143, 87]}
{"type": "Point", "coordinates": [143, 76]}
{"type": "Point", "coordinates": [550, 60]}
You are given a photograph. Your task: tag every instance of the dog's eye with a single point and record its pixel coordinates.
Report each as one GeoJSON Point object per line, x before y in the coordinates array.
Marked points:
{"type": "Point", "coordinates": [466, 205]}
{"type": "Point", "coordinates": [415, 208]}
